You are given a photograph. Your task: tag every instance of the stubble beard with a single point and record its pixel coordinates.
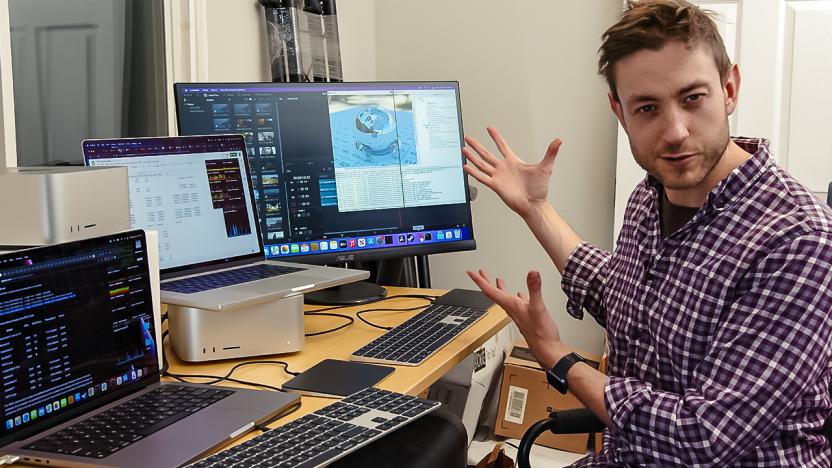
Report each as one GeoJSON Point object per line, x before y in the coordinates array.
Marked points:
{"type": "Point", "coordinates": [677, 179]}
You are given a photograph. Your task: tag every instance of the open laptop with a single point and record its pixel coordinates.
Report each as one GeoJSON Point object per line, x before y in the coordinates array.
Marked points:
{"type": "Point", "coordinates": [80, 369]}
{"type": "Point", "coordinates": [197, 192]}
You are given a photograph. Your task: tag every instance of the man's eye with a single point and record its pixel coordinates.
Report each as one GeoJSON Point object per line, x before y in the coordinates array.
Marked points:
{"type": "Point", "coordinates": [695, 97]}
{"type": "Point", "coordinates": [646, 109]}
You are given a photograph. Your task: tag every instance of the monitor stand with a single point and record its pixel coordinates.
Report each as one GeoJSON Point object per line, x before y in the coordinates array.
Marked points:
{"type": "Point", "coordinates": [357, 293]}
{"type": "Point", "coordinates": [409, 272]}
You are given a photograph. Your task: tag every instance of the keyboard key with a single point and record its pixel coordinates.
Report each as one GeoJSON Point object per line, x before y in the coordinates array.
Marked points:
{"type": "Point", "coordinates": [225, 278]}
{"type": "Point", "coordinates": [420, 336]}
{"type": "Point", "coordinates": [113, 430]}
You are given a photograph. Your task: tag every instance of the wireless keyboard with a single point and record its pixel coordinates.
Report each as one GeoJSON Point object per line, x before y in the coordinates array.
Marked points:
{"type": "Point", "coordinates": [417, 339]}
{"type": "Point", "coordinates": [328, 434]}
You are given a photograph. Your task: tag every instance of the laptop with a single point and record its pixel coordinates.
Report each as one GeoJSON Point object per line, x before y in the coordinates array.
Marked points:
{"type": "Point", "coordinates": [196, 191]}
{"type": "Point", "coordinates": [80, 369]}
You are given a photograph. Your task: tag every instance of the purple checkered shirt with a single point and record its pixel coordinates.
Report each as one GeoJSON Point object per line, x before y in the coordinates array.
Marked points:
{"type": "Point", "coordinates": [719, 335]}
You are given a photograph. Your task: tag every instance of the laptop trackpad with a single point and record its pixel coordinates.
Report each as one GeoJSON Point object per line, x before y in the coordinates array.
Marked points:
{"type": "Point", "coordinates": [180, 442]}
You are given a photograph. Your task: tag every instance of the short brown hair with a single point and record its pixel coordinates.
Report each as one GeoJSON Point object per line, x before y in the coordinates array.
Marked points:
{"type": "Point", "coordinates": [650, 24]}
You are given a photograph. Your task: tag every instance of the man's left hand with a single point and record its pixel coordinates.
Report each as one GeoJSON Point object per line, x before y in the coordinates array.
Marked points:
{"type": "Point", "coordinates": [529, 313]}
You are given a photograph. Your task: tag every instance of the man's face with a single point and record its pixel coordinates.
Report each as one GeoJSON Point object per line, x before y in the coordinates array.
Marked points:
{"type": "Point", "coordinates": [675, 111]}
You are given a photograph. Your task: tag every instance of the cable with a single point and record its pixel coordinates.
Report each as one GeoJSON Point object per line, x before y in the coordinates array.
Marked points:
{"type": "Point", "coordinates": [262, 427]}
{"type": "Point", "coordinates": [430, 299]}
{"type": "Point", "coordinates": [214, 379]}
{"type": "Point", "coordinates": [509, 443]}
{"type": "Point", "coordinates": [358, 314]}
{"type": "Point", "coordinates": [350, 321]}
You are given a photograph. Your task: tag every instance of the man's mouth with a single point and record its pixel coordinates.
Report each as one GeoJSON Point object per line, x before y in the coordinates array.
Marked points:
{"type": "Point", "coordinates": [679, 159]}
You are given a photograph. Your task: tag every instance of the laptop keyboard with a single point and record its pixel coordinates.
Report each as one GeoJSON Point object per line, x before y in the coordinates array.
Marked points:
{"type": "Point", "coordinates": [420, 336]}
{"type": "Point", "coordinates": [117, 428]}
{"type": "Point", "coordinates": [221, 279]}
{"type": "Point", "coordinates": [328, 434]}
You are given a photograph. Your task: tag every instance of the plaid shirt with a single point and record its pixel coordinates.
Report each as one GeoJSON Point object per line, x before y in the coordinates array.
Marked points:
{"type": "Point", "coordinates": [719, 335]}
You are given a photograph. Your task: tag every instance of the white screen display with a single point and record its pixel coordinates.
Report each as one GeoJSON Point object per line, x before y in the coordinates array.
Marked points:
{"type": "Point", "coordinates": [199, 202]}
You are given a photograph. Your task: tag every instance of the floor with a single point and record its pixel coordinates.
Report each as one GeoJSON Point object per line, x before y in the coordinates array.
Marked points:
{"type": "Point", "coordinates": [540, 456]}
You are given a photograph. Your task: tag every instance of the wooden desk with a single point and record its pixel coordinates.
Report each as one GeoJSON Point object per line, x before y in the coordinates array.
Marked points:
{"type": "Point", "coordinates": [411, 380]}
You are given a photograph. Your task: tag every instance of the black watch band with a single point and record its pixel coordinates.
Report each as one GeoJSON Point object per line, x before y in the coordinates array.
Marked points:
{"type": "Point", "coordinates": [557, 375]}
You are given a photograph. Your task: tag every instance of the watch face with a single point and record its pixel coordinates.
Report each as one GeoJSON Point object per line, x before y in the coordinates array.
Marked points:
{"type": "Point", "coordinates": [556, 376]}
{"type": "Point", "coordinates": [557, 382]}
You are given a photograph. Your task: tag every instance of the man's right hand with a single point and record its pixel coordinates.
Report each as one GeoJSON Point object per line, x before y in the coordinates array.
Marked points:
{"type": "Point", "coordinates": [522, 187]}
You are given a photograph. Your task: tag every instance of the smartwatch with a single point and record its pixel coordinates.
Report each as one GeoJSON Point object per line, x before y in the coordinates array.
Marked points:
{"type": "Point", "coordinates": [557, 375]}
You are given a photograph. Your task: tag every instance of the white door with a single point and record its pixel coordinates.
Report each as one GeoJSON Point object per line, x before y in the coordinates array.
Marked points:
{"type": "Point", "coordinates": [68, 61]}
{"type": "Point", "coordinates": [784, 51]}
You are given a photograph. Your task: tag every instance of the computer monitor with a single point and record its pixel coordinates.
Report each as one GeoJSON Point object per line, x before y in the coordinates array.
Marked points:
{"type": "Point", "coordinates": [345, 171]}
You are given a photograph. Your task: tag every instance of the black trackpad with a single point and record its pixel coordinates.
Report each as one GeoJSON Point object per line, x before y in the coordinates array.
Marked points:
{"type": "Point", "coordinates": [465, 298]}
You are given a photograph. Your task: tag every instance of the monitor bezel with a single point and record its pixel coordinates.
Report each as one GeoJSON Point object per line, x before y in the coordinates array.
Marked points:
{"type": "Point", "coordinates": [368, 254]}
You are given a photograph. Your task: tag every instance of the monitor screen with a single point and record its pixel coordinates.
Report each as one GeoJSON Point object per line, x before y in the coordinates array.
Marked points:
{"type": "Point", "coordinates": [195, 191]}
{"type": "Point", "coordinates": [345, 171]}
{"type": "Point", "coordinates": [77, 325]}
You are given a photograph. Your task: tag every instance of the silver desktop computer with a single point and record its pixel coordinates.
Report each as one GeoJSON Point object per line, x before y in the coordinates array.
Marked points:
{"type": "Point", "coordinates": [46, 205]}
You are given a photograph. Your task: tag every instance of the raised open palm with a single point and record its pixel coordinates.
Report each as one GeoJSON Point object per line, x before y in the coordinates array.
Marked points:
{"type": "Point", "coordinates": [520, 185]}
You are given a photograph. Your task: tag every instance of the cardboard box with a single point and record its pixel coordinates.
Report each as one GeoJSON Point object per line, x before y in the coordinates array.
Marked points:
{"type": "Point", "coordinates": [464, 388]}
{"type": "Point", "coordinates": [526, 397]}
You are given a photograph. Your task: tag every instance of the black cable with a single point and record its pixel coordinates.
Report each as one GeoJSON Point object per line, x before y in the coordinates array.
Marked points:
{"type": "Point", "coordinates": [268, 361]}
{"type": "Point", "coordinates": [214, 379]}
{"type": "Point", "coordinates": [431, 299]}
{"type": "Point", "coordinates": [509, 443]}
{"type": "Point", "coordinates": [349, 319]}
{"type": "Point", "coordinates": [358, 314]}
{"type": "Point", "coordinates": [227, 377]}
{"type": "Point", "coordinates": [262, 427]}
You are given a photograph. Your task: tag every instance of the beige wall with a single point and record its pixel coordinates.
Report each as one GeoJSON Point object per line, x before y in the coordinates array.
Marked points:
{"type": "Point", "coordinates": [236, 42]}
{"type": "Point", "coordinates": [529, 73]}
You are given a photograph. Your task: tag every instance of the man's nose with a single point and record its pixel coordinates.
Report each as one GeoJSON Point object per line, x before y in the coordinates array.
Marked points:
{"type": "Point", "coordinates": [676, 127]}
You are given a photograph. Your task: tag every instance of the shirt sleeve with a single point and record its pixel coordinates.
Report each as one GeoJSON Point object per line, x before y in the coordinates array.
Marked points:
{"type": "Point", "coordinates": [583, 281]}
{"type": "Point", "coordinates": [771, 350]}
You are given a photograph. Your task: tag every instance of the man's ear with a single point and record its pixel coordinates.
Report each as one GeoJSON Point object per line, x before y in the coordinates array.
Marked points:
{"type": "Point", "coordinates": [617, 109]}
{"type": "Point", "coordinates": [731, 88]}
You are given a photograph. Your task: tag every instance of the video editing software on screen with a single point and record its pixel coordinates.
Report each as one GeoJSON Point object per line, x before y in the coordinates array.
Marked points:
{"type": "Point", "coordinates": [344, 166]}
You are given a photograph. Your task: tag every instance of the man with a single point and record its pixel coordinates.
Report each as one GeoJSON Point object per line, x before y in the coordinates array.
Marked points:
{"type": "Point", "coordinates": [717, 298]}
